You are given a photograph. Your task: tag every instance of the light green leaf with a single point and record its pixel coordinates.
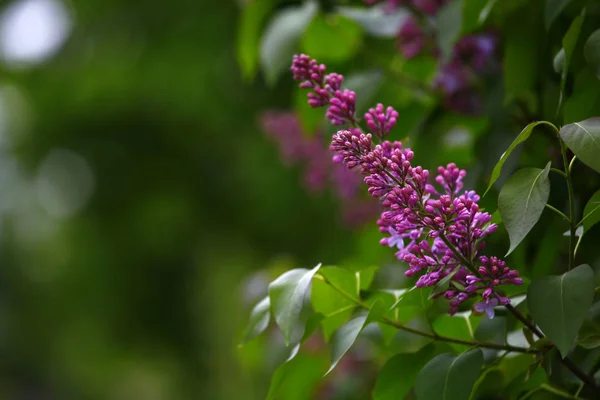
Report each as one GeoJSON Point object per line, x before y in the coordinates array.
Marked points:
{"type": "Point", "coordinates": [376, 20]}
{"type": "Point", "coordinates": [522, 200]}
{"type": "Point", "coordinates": [449, 22]}
{"type": "Point", "coordinates": [332, 38]}
{"type": "Point", "coordinates": [524, 135]}
{"type": "Point", "coordinates": [583, 138]}
{"type": "Point", "coordinates": [569, 42]}
{"type": "Point", "coordinates": [281, 37]}
{"type": "Point", "coordinates": [259, 319]}
{"type": "Point", "coordinates": [552, 10]}
{"type": "Point", "coordinates": [485, 12]}
{"type": "Point", "coordinates": [559, 61]}
{"type": "Point", "coordinates": [328, 301]}
{"type": "Point", "coordinates": [366, 276]}
{"type": "Point", "coordinates": [398, 375]}
{"type": "Point", "coordinates": [591, 212]}
{"type": "Point", "coordinates": [449, 377]}
{"type": "Point", "coordinates": [345, 337]}
{"type": "Point", "coordinates": [248, 35]}
{"type": "Point", "coordinates": [297, 378]}
{"type": "Point", "coordinates": [559, 304]}
{"type": "Point", "coordinates": [287, 294]}
{"type": "Point", "coordinates": [344, 280]}
{"type": "Point", "coordinates": [457, 326]}
{"type": "Point", "coordinates": [591, 51]}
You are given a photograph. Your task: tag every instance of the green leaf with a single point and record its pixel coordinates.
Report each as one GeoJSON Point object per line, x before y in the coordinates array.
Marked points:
{"type": "Point", "coordinates": [584, 99]}
{"type": "Point", "coordinates": [259, 319]}
{"type": "Point", "coordinates": [345, 337]}
{"type": "Point", "coordinates": [471, 11]}
{"type": "Point", "coordinates": [559, 61]}
{"type": "Point", "coordinates": [297, 378]}
{"type": "Point", "coordinates": [583, 138]}
{"type": "Point", "coordinates": [591, 212]}
{"type": "Point", "coordinates": [524, 135]}
{"type": "Point", "coordinates": [553, 10]}
{"type": "Point", "coordinates": [287, 294]}
{"type": "Point", "coordinates": [569, 42]}
{"type": "Point", "coordinates": [344, 280]}
{"type": "Point", "coordinates": [398, 375]}
{"type": "Point", "coordinates": [366, 276]}
{"type": "Point", "coordinates": [378, 21]}
{"type": "Point", "coordinates": [365, 85]}
{"type": "Point", "coordinates": [328, 301]}
{"type": "Point", "coordinates": [492, 330]}
{"type": "Point", "coordinates": [522, 200]}
{"type": "Point", "coordinates": [281, 37]}
{"type": "Point", "coordinates": [412, 303]}
{"type": "Point", "coordinates": [332, 38]}
{"type": "Point", "coordinates": [457, 326]}
{"type": "Point", "coordinates": [248, 35]}
{"type": "Point", "coordinates": [559, 304]}
{"type": "Point", "coordinates": [485, 12]}
{"type": "Point", "coordinates": [449, 22]}
{"type": "Point", "coordinates": [449, 377]}
{"type": "Point", "coordinates": [591, 51]}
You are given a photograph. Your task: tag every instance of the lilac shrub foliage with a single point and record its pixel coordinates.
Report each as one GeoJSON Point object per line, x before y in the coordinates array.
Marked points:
{"type": "Point", "coordinates": [438, 230]}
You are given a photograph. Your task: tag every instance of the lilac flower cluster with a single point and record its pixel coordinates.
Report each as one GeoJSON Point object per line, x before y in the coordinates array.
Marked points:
{"type": "Point", "coordinates": [296, 148]}
{"type": "Point", "coordinates": [439, 231]}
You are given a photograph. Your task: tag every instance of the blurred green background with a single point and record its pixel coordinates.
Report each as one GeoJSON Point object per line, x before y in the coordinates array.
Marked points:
{"type": "Point", "coordinates": [136, 193]}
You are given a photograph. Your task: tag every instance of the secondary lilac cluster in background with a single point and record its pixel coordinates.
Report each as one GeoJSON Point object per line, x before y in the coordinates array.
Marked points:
{"type": "Point", "coordinates": [458, 76]}
{"type": "Point", "coordinates": [438, 230]}
{"type": "Point", "coordinates": [297, 148]}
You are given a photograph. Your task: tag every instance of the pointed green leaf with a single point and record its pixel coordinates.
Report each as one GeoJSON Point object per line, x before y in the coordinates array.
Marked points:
{"type": "Point", "coordinates": [457, 326]}
{"type": "Point", "coordinates": [297, 378]}
{"type": "Point", "coordinates": [287, 294]}
{"type": "Point", "coordinates": [485, 12]}
{"type": "Point", "coordinates": [449, 21]}
{"type": "Point", "coordinates": [569, 42]}
{"type": "Point", "coordinates": [559, 304]}
{"type": "Point", "coordinates": [552, 10]}
{"type": "Point", "coordinates": [449, 377]}
{"type": "Point", "coordinates": [345, 337]}
{"type": "Point", "coordinates": [522, 201]}
{"type": "Point", "coordinates": [248, 35]}
{"type": "Point", "coordinates": [591, 212]}
{"type": "Point", "coordinates": [583, 138]}
{"type": "Point", "coordinates": [281, 37]}
{"type": "Point", "coordinates": [559, 61]}
{"type": "Point", "coordinates": [524, 135]}
{"type": "Point", "coordinates": [397, 377]}
{"type": "Point", "coordinates": [259, 319]}
{"type": "Point", "coordinates": [591, 51]}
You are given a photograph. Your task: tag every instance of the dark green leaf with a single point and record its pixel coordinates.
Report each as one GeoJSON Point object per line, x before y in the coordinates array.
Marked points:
{"type": "Point", "coordinates": [345, 337]}
{"type": "Point", "coordinates": [376, 20]}
{"type": "Point", "coordinates": [281, 37]}
{"type": "Point", "coordinates": [398, 375]}
{"type": "Point", "coordinates": [492, 330]}
{"type": "Point", "coordinates": [591, 51]}
{"type": "Point", "coordinates": [559, 304]}
{"type": "Point", "coordinates": [569, 42]}
{"type": "Point", "coordinates": [259, 319]}
{"type": "Point", "coordinates": [591, 213]}
{"type": "Point", "coordinates": [248, 35]}
{"type": "Point", "coordinates": [449, 22]}
{"type": "Point", "coordinates": [365, 84]}
{"type": "Point", "coordinates": [333, 38]}
{"type": "Point", "coordinates": [583, 138]}
{"type": "Point", "coordinates": [521, 58]}
{"type": "Point", "coordinates": [553, 10]}
{"type": "Point", "coordinates": [287, 294]}
{"type": "Point", "coordinates": [471, 11]}
{"type": "Point", "coordinates": [524, 135]}
{"type": "Point", "coordinates": [584, 99]}
{"type": "Point", "coordinates": [522, 201]}
{"type": "Point", "coordinates": [449, 377]}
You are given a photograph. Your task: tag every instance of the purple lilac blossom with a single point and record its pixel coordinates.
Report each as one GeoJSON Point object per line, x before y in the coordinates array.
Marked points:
{"type": "Point", "coordinates": [439, 231]}
{"type": "Point", "coordinates": [381, 120]}
{"type": "Point", "coordinates": [429, 7]}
